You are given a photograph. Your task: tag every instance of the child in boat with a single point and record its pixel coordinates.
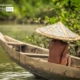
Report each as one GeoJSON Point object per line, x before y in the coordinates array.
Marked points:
{"type": "Point", "coordinates": [57, 52]}
{"type": "Point", "coordinates": [58, 49]}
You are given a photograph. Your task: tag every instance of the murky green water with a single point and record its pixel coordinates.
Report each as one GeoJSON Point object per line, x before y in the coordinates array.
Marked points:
{"type": "Point", "coordinates": [11, 71]}
{"type": "Point", "coordinates": [15, 76]}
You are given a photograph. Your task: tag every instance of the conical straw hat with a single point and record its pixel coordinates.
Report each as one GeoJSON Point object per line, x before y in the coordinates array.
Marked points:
{"type": "Point", "coordinates": [58, 31]}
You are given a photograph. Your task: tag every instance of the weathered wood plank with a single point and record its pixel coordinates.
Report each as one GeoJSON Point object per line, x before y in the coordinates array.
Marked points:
{"type": "Point", "coordinates": [35, 54]}
{"type": "Point", "coordinates": [15, 43]}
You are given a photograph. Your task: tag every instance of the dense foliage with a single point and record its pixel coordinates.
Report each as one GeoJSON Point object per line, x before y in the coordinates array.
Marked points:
{"type": "Point", "coordinates": [25, 9]}
{"type": "Point", "coordinates": [67, 11]}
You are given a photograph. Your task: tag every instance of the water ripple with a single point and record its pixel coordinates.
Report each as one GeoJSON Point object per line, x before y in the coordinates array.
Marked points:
{"type": "Point", "coordinates": [15, 75]}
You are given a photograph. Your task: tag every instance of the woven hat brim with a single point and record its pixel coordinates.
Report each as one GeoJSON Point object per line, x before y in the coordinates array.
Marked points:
{"type": "Point", "coordinates": [58, 37]}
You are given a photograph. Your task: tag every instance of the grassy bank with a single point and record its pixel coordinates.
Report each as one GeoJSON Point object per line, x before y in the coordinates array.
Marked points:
{"type": "Point", "coordinates": [11, 30]}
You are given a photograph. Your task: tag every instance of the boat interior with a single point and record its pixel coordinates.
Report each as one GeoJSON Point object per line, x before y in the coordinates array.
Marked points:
{"type": "Point", "coordinates": [29, 50]}
{"type": "Point", "coordinates": [35, 52]}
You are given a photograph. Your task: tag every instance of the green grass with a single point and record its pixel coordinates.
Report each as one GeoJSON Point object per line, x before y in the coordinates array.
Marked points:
{"type": "Point", "coordinates": [15, 28]}
{"type": "Point", "coordinates": [18, 31]}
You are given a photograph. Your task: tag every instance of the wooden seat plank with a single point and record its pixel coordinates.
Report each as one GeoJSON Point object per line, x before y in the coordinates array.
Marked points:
{"type": "Point", "coordinates": [35, 54]}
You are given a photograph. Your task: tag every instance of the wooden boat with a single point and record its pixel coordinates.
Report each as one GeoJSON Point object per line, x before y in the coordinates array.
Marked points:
{"type": "Point", "coordinates": [34, 59]}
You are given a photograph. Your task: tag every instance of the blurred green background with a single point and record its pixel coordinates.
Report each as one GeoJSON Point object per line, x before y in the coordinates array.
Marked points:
{"type": "Point", "coordinates": [30, 11]}
{"type": "Point", "coordinates": [31, 14]}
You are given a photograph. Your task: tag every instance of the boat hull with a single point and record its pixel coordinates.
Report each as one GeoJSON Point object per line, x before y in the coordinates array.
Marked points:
{"type": "Point", "coordinates": [42, 68]}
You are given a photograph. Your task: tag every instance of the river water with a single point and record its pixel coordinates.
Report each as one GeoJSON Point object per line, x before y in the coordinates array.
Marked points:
{"type": "Point", "coordinates": [15, 75]}
{"type": "Point", "coordinates": [11, 71]}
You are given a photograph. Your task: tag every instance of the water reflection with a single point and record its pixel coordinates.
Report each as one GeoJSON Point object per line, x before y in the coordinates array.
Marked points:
{"type": "Point", "coordinates": [14, 72]}
{"type": "Point", "coordinates": [16, 76]}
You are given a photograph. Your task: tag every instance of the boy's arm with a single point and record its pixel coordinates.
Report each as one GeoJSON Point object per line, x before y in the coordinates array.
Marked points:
{"type": "Point", "coordinates": [63, 57]}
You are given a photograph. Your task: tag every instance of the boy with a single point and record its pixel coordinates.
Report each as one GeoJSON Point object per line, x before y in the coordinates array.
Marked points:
{"type": "Point", "coordinates": [57, 52]}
